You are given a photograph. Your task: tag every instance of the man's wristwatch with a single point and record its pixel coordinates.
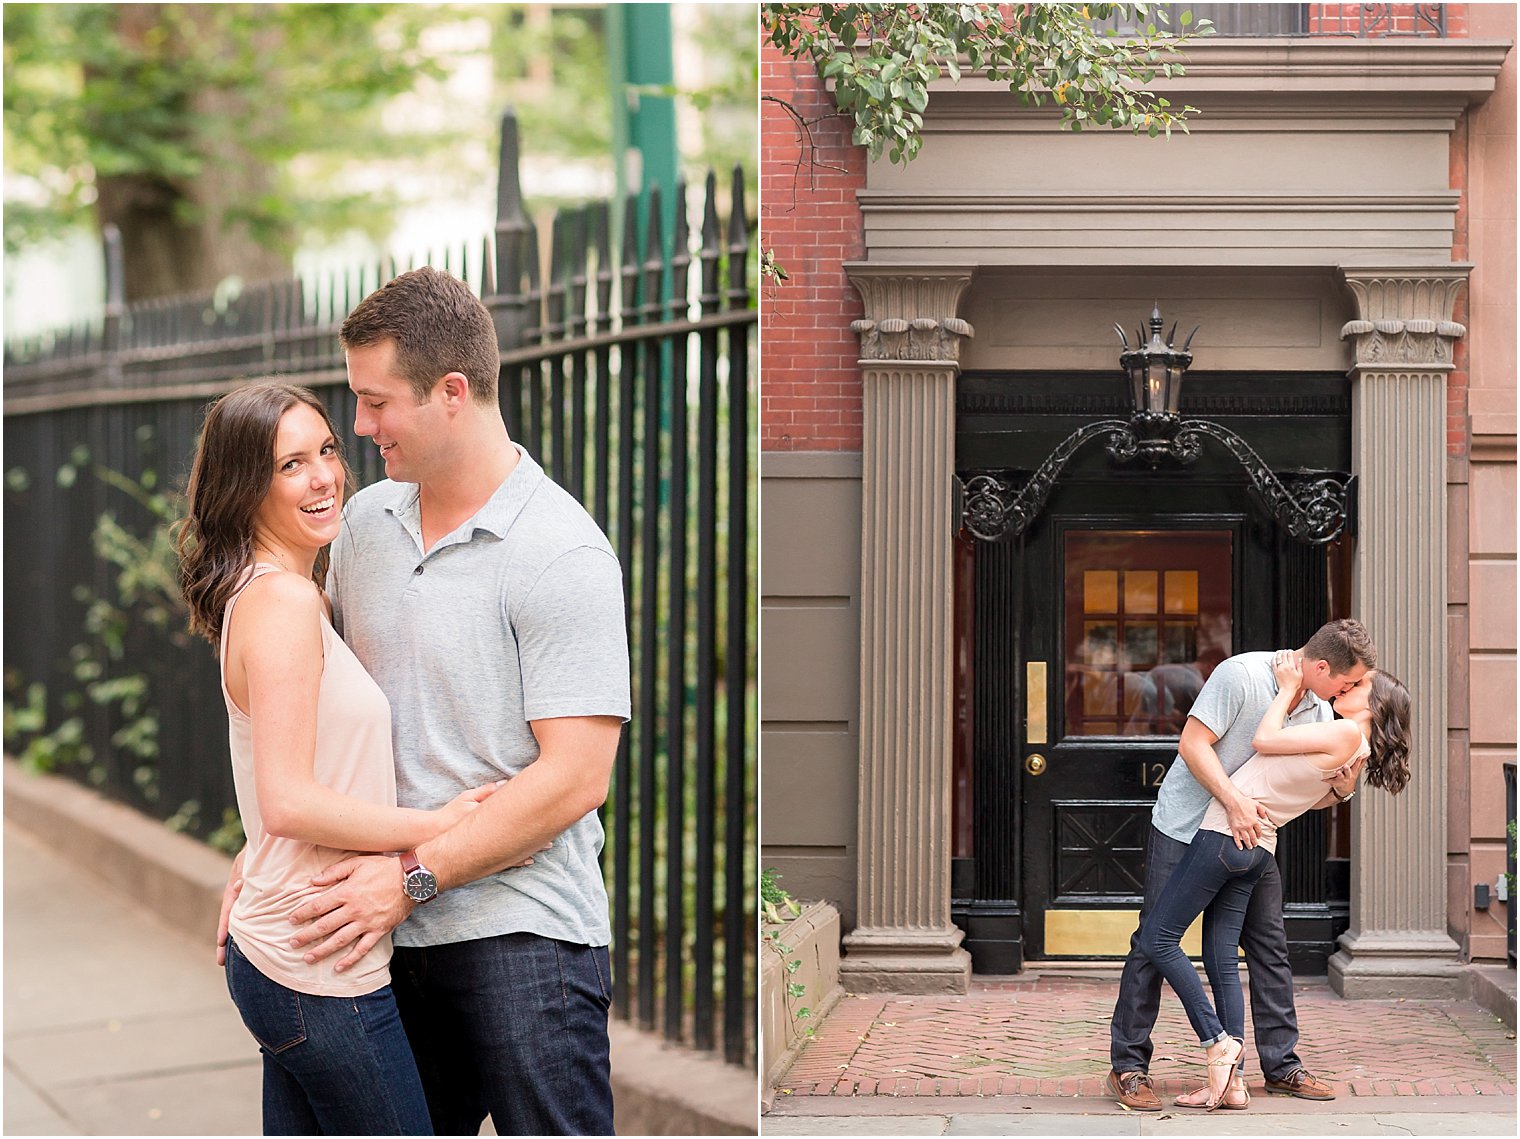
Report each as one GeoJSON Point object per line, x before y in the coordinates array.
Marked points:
{"type": "Point", "coordinates": [416, 879]}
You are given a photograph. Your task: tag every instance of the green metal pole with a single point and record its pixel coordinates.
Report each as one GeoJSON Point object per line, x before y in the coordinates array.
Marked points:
{"type": "Point", "coordinates": [639, 58]}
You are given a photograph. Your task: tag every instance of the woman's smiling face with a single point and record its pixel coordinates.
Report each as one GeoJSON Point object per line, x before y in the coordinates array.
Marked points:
{"type": "Point", "coordinates": [304, 504]}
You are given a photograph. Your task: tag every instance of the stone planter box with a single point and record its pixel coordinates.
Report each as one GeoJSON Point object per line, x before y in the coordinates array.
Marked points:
{"type": "Point", "coordinates": [812, 937]}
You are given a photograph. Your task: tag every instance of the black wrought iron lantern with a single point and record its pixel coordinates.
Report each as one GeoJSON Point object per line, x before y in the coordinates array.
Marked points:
{"type": "Point", "coordinates": [1311, 506]}
{"type": "Point", "coordinates": [1155, 368]}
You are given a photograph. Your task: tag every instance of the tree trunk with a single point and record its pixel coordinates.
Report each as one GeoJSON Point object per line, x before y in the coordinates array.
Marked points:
{"type": "Point", "coordinates": [176, 233]}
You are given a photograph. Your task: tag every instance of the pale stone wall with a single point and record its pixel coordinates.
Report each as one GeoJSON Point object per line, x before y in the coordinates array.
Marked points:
{"type": "Point", "coordinates": [810, 672]}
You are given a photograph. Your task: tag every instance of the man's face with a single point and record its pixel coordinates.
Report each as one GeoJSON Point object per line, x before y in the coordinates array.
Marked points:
{"type": "Point", "coordinates": [1354, 699]}
{"type": "Point", "coordinates": [410, 435]}
{"type": "Point", "coordinates": [1327, 685]}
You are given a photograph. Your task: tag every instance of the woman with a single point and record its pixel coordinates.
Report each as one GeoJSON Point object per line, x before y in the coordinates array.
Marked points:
{"type": "Point", "coordinates": [310, 738]}
{"type": "Point", "coordinates": [1287, 776]}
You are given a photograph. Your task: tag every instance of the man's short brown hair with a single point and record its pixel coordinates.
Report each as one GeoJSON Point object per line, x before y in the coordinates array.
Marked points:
{"type": "Point", "coordinates": [438, 327]}
{"type": "Point", "coordinates": [1343, 644]}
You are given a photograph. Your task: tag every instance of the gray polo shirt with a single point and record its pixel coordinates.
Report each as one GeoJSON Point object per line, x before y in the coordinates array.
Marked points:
{"type": "Point", "coordinates": [515, 616]}
{"type": "Point", "coordinates": [1235, 697]}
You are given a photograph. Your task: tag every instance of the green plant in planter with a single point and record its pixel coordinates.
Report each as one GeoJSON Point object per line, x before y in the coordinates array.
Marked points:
{"type": "Point", "coordinates": [777, 907]}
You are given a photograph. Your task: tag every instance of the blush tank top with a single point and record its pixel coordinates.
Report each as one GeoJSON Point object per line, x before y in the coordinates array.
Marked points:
{"type": "Point", "coordinates": [1286, 785]}
{"type": "Point", "coordinates": [353, 757]}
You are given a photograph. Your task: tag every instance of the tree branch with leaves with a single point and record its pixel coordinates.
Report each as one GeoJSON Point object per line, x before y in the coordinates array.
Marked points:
{"type": "Point", "coordinates": [881, 59]}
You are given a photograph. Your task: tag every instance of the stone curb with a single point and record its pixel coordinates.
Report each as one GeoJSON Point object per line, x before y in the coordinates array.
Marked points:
{"type": "Point", "coordinates": [1493, 988]}
{"type": "Point", "coordinates": [659, 1089]}
{"type": "Point", "coordinates": [175, 877]}
{"type": "Point", "coordinates": [1261, 1105]}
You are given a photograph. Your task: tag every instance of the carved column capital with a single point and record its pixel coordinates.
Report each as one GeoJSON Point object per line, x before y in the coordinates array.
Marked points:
{"type": "Point", "coordinates": [1404, 315]}
{"type": "Point", "coordinates": [910, 311]}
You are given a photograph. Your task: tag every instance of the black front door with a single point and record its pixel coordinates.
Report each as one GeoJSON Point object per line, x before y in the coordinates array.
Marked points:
{"type": "Point", "coordinates": [1084, 642]}
{"type": "Point", "coordinates": [1125, 624]}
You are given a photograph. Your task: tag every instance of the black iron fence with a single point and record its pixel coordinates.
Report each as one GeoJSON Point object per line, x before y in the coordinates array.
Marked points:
{"type": "Point", "coordinates": [626, 370]}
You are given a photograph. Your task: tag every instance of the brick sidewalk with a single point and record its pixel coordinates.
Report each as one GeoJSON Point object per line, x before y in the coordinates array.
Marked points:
{"type": "Point", "coordinates": [1048, 1036]}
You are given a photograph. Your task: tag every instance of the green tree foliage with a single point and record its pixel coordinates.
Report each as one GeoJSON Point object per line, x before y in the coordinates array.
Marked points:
{"type": "Point", "coordinates": [881, 59]}
{"type": "Point", "coordinates": [184, 124]}
{"type": "Point", "coordinates": [218, 137]}
{"type": "Point", "coordinates": [551, 67]}
{"type": "Point", "coordinates": [726, 36]}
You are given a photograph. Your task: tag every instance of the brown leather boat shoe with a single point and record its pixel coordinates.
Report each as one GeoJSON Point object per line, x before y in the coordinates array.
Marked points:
{"type": "Point", "coordinates": [1133, 1090]}
{"type": "Point", "coordinates": [1301, 1084]}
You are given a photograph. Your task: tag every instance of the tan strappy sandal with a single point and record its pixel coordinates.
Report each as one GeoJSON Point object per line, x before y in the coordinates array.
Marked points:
{"type": "Point", "coordinates": [1229, 1062]}
{"type": "Point", "coordinates": [1236, 1098]}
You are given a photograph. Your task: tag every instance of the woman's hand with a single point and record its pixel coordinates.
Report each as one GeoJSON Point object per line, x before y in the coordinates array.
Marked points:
{"type": "Point", "coordinates": [1288, 667]}
{"type": "Point", "coordinates": [468, 801]}
{"type": "Point", "coordinates": [229, 896]}
{"type": "Point", "coordinates": [1344, 778]}
{"type": "Point", "coordinates": [463, 803]}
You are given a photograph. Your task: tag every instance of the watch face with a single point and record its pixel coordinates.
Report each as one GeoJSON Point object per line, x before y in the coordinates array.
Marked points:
{"type": "Point", "coordinates": [421, 885]}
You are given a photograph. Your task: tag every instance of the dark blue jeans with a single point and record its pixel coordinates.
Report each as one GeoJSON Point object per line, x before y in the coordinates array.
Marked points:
{"type": "Point", "coordinates": [1266, 947]}
{"type": "Point", "coordinates": [1214, 879]}
{"type": "Point", "coordinates": [514, 1026]}
{"type": "Point", "coordinates": [332, 1065]}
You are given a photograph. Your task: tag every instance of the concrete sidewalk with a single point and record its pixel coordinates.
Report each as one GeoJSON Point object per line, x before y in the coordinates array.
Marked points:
{"type": "Point", "coordinates": [1028, 1055]}
{"type": "Point", "coordinates": [117, 1017]}
{"type": "Point", "coordinates": [1020, 1116]}
{"type": "Point", "coordinates": [115, 1024]}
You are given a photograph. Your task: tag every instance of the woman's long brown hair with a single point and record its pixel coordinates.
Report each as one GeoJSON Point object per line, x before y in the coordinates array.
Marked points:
{"type": "Point", "coordinates": [229, 477]}
{"type": "Point", "coordinates": [1388, 737]}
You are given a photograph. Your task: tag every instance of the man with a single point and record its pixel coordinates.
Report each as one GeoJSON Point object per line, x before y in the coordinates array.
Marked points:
{"type": "Point", "coordinates": [1216, 740]}
{"type": "Point", "coordinates": [488, 605]}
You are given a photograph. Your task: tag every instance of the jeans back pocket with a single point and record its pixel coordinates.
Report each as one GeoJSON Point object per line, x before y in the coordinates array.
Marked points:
{"type": "Point", "coordinates": [270, 1011]}
{"type": "Point", "coordinates": [1237, 861]}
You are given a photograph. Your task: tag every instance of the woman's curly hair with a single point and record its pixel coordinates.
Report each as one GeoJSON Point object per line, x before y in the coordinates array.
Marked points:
{"type": "Point", "coordinates": [1388, 701]}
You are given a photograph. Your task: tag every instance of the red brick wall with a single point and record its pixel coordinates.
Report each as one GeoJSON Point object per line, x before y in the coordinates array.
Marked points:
{"type": "Point", "coordinates": [810, 398]}
{"type": "Point", "coordinates": [1347, 20]}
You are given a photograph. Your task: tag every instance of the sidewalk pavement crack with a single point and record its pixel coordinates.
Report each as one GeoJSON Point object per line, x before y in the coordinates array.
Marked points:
{"type": "Point", "coordinates": [121, 1022]}
{"type": "Point", "coordinates": [159, 1073]}
{"type": "Point", "coordinates": [41, 1093]}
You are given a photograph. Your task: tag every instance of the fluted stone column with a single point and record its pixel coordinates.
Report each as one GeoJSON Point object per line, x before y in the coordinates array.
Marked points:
{"type": "Point", "coordinates": [1398, 943]}
{"type": "Point", "coordinates": [910, 347]}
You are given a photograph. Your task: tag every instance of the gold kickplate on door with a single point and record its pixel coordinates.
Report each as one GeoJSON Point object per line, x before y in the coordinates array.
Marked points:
{"type": "Point", "coordinates": [1103, 933]}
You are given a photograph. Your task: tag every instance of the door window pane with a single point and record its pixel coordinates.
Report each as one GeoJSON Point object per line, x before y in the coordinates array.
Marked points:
{"type": "Point", "coordinates": [1140, 644]}
{"type": "Point", "coordinates": [1181, 643]}
{"type": "Point", "coordinates": [1148, 616]}
{"type": "Point", "coordinates": [1140, 591]}
{"type": "Point", "coordinates": [1182, 591]}
{"type": "Point", "coordinates": [1100, 694]}
{"type": "Point", "coordinates": [1100, 591]}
